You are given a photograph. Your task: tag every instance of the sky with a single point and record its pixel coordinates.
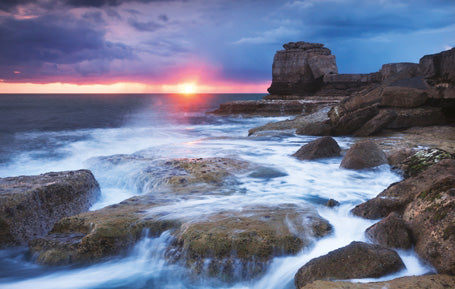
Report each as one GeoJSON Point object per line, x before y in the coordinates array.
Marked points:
{"type": "Point", "coordinates": [142, 46]}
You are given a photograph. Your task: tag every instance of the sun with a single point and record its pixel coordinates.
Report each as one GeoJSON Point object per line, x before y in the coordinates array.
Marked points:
{"type": "Point", "coordinates": [187, 88]}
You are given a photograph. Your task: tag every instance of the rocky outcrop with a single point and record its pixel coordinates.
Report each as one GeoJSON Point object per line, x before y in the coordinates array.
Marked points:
{"type": "Point", "coordinates": [414, 282]}
{"type": "Point", "coordinates": [417, 161]}
{"type": "Point", "coordinates": [324, 147]}
{"type": "Point", "coordinates": [427, 204]}
{"type": "Point", "coordinates": [363, 155]}
{"type": "Point", "coordinates": [240, 244]}
{"type": "Point", "coordinates": [300, 68]}
{"type": "Point", "coordinates": [357, 260]}
{"type": "Point", "coordinates": [30, 205]}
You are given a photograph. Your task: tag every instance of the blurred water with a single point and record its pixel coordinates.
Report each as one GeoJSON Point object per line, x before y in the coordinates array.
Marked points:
{"type": "Point", "coordinates": [54, 133]}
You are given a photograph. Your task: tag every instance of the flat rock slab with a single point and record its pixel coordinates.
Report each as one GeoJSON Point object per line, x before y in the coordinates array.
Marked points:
{"type": "Point", "coordinates": [411, 282]}
{"type": "Point", "coordinates": [357, 260]}
{"type": "Point", "coordinates": [220, 244]}
{"type": "Point", "coordinates": [30, 205]}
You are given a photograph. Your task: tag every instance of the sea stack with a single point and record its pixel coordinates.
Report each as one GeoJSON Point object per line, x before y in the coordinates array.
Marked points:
{"type": "Point", "coordinates": [300, 68]}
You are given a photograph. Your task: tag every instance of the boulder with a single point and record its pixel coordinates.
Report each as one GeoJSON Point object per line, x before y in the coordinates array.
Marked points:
{"type": "Point", "coordinates": [397, 96]}
{"type": "Point", "coordinates": [377, 123]}
{"type": "Point", "coordinates": [30, 205]}
{"type": "Point", "coordinates": [397, 156]}
{"type": "Point", "coordinates": [410, 282]}
{"type": "Point", "coordinates": [356, 260]}
{"type": "Point", "coordinates": [324, 147]}
{"type": "Point", "coordinates": [391, 232]}
{"type": "Point", "coordinates": [299, 68]}
{"type": "Point", "coordinates": [92, 236]}
{"type": "Point", "coordinates": [239, 244]}
{"type": "Point", "coordinates": [363, 155]}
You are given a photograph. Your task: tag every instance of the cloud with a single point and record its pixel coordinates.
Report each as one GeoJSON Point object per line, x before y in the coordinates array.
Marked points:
{"type": "Point", "coordinates": [270, 36]}
{"type": "Point", "coordinates": [42, 44]}
{"type": "Point", "coordinates": [148, 26]}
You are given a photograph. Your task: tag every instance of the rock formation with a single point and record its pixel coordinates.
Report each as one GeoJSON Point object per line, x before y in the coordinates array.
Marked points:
{"type": "Point", "coordinates": [30, 205]}
{"type": "Point", "coordinates": [300, 68]}
{"type": "Point", "coordinates": [324, 147]}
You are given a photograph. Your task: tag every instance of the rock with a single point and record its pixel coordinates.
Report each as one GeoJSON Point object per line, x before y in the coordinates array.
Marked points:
{"type": "Point", "coordinates": [391, 232]}
{"type": "Point", "coordinates": [347, 84]}
{"type": "Point", "coordinates": [431, 218]}
{"type": "Point", "coordinates": [314, 118]}
{"type": "Point", "coordinates": [320, 128]}
{"type": "Point", "coordinates": [363, 155]}
{"type": "Point", "coordinates": [324, 147]}
{"type": "Point", "coordinates": [410, 282]}
{"type": "Point", "coordinates": [403, 69]}
{"type": "Point", "coordinates": [266, 173]}
{"type": "Point", "coordinates": [332, 203]}
{"type": "Point", "coordinates": [421, 160]}
{"type": "Point", "coordinates": [396, 157]}
{"type": "Point", "coordinates": [440, 67]}
{"type": "Point", "coordinates": [300, 67]}
{"type": "Point", "coordinates": [354, 120]}
{"type": "Point", "coordinates": [244, 242]}
{"type": "Point", "coordinates": [397, 96]}
{"type": "Point", "coordinates": [262, 107]}
{"type": "Point", "coordinates": [399, 195]}
{"type": "Point", "coordinates": [91, 236]}
{"type": "Point", "coordinates": [189, 176]}
{"type": "Point", "coordinates": [377, 123]}
{"type": "Point", "coordinates": [357, 260]}
{"type": "Point", "coordinates": [30, 205]}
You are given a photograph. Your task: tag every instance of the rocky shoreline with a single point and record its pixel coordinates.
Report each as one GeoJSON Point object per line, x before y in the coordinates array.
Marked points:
{"type": "Point", "coordinates": [393, 113]}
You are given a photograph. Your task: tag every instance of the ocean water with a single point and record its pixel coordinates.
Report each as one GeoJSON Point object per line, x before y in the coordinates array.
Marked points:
{"type": "Point", "coordinates": [42, 133]}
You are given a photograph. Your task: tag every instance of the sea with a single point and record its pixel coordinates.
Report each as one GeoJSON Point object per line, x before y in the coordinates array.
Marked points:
{"type": "Point", "coordinates": [57, 132]}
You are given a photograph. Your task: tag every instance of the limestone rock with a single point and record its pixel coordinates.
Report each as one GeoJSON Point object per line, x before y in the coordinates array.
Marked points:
{"type": "Point", "coordinates": [324, 147]}
{"type": "Point", "coordinates": [353, 120]}
{"type": "Point", "coordinates": [420, 160]}
{"type": "Point", "coordinates": [300, 67]}
{"type": "Point", "coordinates": [357, 260]}
{"type": "Point", "coordinates": [440, 67]}
{"type": "Point", "coordinates": [248, 239]}
{"type": "Point", "coordinates": [404, 69]}
{"type": "Point", "coordinates": [391, 232]}
{"type": "Point", "coordinates": [363, 155]}
{"type": "Point", "coordinates": [30, 205]}
{"type": "Point", "coordinates": [411, 282]}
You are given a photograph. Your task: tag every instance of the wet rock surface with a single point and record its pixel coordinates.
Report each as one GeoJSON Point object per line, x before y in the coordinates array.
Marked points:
{"type": "Point", "coordinates": [362, 155]}
{"type": "Point", "coordinates": [30, 205]}
{"type": "Point", "coordinates": [324, 147]}
{"type": "Point", "coordinates": [411, 282]}
{"type": "Point", "coordinates": [243, 242]}
{"type": "Point", "coordinates": [357, 260]}
{"type": "Point", "coordinates": [391, 232]}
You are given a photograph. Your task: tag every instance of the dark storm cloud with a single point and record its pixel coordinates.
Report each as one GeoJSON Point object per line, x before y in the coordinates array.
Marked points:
{"type": "Point", "coordinates": [31, 44]}
{"type": "Point", "coordinates": [148, 26]}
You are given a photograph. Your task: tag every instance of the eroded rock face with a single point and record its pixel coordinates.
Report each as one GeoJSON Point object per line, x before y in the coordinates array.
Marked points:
{"type": "Point", "coordinates": [324, 147]}
{"type": "Point", "coordinates": [357, 260]}
{"type": "Point", "coordinates": [414, 282]}
{"type": "Point", "coordinates": [299, 68]}
{"type": "Point", "coordinates": [440, 67]}
{"type": "Point", "coordinates": [247, 239]}
{"type": "Point", "coordinates": [30, 205]}
{"type": "Point", "coordinates": [363, 155]}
